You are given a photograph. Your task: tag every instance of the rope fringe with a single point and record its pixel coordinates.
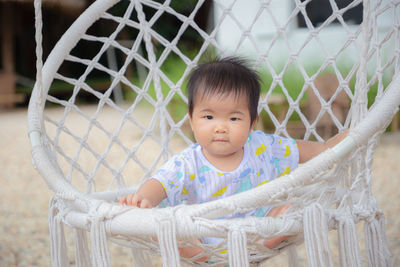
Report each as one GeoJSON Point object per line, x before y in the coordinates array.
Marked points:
{"type": "Point", "coordinates": [82, 254]}
{"type": "Point", "coordinates": [98, 236]}
{"type": "Point", "coordinates": [58, 249]}
{"type": "Point", "coordinates": [350, 254]}
{"type": "Point", "coordinates": [237, 249]}
{"type": "Point", "coordinates": [376, 244]}
{"type": "Point", "coordinates": [316, 236]}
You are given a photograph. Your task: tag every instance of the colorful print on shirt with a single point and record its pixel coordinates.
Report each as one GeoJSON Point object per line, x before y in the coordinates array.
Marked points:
{"type": "Point", "coordinates": [190, 178]}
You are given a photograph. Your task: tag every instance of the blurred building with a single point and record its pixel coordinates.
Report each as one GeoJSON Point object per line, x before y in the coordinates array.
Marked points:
{"type": "Point", "coordinates": [279, 30]}
{"type": "Point", "coordinates": [17, 57]}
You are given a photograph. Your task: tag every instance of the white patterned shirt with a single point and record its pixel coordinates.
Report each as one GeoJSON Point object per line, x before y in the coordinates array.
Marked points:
{"type": "Point", "coordinates": [188, 177]}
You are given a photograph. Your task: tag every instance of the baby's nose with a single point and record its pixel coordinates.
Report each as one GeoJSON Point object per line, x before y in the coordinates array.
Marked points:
{"type": "Point", "coordinates": [220, 128]}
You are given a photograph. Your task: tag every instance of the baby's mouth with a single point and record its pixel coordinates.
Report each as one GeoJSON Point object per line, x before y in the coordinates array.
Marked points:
{"type": "Point", "coordinates": [221, 140]}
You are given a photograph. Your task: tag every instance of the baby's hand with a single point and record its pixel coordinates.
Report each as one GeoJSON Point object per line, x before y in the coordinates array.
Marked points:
{"type": "Point", "coordinates": [136, 200]}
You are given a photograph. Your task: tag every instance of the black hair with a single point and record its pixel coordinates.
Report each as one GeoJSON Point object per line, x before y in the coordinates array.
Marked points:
{"type": "Point", "coordinates": [221, 76]}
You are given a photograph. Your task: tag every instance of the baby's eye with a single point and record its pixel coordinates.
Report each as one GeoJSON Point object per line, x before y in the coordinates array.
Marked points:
{"type": "Point", "coordinates": [234, 119]}
{"type": "Point", "coordinates": [208, 117]}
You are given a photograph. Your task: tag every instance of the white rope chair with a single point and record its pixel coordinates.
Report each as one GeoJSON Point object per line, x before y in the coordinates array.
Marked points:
{"type": "Point", "coordinates": [88, 157]}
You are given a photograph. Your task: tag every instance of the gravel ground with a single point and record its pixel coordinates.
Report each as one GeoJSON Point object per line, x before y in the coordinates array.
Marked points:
{"type": "Point", "coordinates": [24, 198]}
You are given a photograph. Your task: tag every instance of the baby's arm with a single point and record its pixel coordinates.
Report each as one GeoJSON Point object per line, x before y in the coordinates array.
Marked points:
{"type": "Point", "coordinates": [310, 149]}
{"type": "Point", "coordinates": [149, 195]}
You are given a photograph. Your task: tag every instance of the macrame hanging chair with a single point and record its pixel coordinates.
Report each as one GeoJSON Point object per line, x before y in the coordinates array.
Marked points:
{"type": "Point", "coordinates": [90, 155]}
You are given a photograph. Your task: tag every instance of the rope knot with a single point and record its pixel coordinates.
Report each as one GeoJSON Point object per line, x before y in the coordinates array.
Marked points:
{"type": "Point", "coordinates": [98, 212]}
{"type": "Point", "coordinates": [185, 224]}
{"type": "Point", "coordinates": [316, 235]}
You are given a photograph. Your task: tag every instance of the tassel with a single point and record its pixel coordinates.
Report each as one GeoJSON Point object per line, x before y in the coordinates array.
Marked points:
{"type": "Point", "coordinates": [350, 254]}
{"type": "Point", "coordinates": [98, 236]}
{"type": "Point", "coordinates": [385, 247]}
{"type": "Point", "coordinates": [82, 256]}
{"type": "Point", "coordinates": [168, 244]}
{"type": "Point", "coordinates": [237, 249]}
{"type": "Point", "coordinates": [293, 259]}
{"type": "Point", "coordinates": [376, 244]}
{"type": "Point", "coordinates": [59, 256]}
{"type": "Point", "coordinates": [316, 236]}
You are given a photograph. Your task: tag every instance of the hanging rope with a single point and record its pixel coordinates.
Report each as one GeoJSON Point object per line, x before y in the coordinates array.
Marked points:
{"type": "Point", "coordinates": [316, 236]}
{"type": "Point", "coordinates": [237, 248]}
{"type": "Point", "coordinates": [39, 49]}
{"type": "Point", "coordinates": [59, 255]}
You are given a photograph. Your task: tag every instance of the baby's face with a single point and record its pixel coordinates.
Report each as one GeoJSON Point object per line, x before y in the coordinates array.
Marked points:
{"type": "Point", "coordinates": [221, 125]}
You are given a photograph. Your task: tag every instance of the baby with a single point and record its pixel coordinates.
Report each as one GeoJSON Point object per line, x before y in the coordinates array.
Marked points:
{"type": "Point", "coordinates": [229, 157]}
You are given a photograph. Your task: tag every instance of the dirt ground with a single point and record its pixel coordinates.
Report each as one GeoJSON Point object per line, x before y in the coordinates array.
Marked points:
{"type": "Point", "coordinates": [24, 198]}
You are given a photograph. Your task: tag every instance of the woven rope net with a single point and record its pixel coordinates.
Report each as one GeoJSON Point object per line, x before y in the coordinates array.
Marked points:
{"type": "Point", "coordinates": [117, 56]}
